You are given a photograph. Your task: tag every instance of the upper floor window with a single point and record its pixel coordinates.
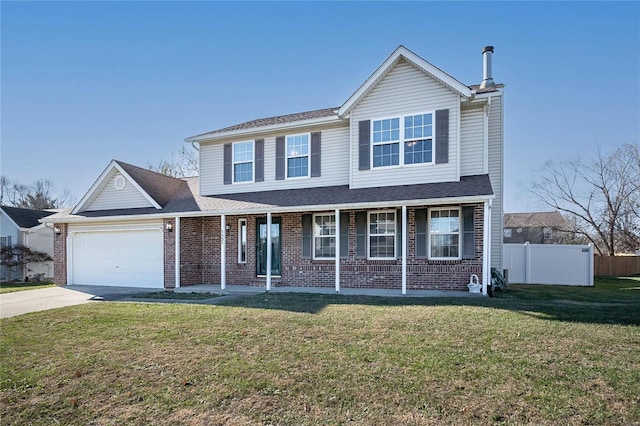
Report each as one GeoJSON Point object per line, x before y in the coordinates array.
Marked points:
{"type": "Point", "coordinates": [298, 156]}
{"type": "Point", "coordinates": [243, 162]}
{"type": "Point", "coordinates": [386, 142]}
{"type": "Point", "coordinates": [418, 139]}
{"type": "Point", "coordinates": [406, 141]}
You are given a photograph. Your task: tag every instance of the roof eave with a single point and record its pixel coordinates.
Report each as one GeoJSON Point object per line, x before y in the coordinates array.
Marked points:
{"type": "Point", "coordinates": [213, 136]}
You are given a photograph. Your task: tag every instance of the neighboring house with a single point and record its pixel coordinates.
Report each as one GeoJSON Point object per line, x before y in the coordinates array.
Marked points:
{"type": "Point", "coordinates": [22, 226]}
{"type": "Point", "coordinates": [400, 187]}
{"type": "Point", "coordinates": [535, 228]}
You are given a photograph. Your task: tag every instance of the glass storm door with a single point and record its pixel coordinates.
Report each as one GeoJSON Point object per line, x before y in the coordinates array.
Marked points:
{"type": "Point", "coordinates": [261, 249]}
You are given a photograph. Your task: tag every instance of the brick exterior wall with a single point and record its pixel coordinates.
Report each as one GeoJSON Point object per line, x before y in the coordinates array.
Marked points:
{"type": "Point", "coordinates": [60, 255]}
{"type": "Point", "coordinates": [200, 258]}
{"type": "Point", "coordinates": [169, 254]}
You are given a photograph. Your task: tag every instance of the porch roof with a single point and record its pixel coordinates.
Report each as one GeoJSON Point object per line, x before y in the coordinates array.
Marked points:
{"type": "Point", "coordinates": [186, 202]}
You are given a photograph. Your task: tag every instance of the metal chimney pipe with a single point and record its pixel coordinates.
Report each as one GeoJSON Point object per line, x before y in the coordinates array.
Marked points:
{"type": "Point", "coordinates": [487, 80]}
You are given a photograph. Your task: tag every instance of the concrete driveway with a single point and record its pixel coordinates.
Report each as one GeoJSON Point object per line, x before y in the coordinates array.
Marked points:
{"type": "Point", "coordinates": [22, 302]}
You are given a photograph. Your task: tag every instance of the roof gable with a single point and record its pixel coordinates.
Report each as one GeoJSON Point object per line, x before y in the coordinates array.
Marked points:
{"type": "Point", "coordinates": [402, 53]}
{"type": "Point", "coordinates": [25, 218]}
{"type": "Point", "coordinates": [123, 185]}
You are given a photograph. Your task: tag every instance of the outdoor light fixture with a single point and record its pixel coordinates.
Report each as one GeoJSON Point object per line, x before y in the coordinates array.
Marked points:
{"type": "Point", "coordinates": [228, 227]}
{"type": "Point", "coordinates": [56, 230]}
{"type": "Point", "coordinates": [169, 226]}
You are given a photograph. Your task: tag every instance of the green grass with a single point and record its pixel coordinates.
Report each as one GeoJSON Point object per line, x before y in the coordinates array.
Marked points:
{"type": "Point", "coordinates": [21, 286]}
{"type": "Point", "coordinates": [533, 355]}
{"type": "Point", "coordinates": [176, 296]}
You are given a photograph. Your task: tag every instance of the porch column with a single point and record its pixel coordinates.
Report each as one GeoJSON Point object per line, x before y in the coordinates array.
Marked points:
{"type": "Point", "coordinates": [177, 249]}
{"type": "Point", "coordinates": [268, 251]}
{"type": "Point", "coordinates": [404, 249]}
{"type": "Point", "coordinates": [486, 237]}
{"type": "Point", "coordinates": [337, 218]}
{"type": "Point", "coordinates": [223, 252]}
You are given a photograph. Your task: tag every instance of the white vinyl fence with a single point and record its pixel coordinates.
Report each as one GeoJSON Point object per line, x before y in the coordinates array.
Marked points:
{"type": "Point", "coordinates": [549, 264]}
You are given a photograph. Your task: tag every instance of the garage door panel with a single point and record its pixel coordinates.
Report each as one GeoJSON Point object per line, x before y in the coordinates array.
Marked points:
{"type": "Point", "coordinates": [119, 258]}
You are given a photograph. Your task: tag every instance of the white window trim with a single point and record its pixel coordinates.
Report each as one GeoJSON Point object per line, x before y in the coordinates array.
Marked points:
{"type": "Point", "coordinates": [287, 156]}
{"type": "Point", "coordinates": [313, 236]}
{"type": "Point", "coordinates": [452, 233]}
{"type": "Point", "coordinates": [233, 163]}
{"type": "Point", "coordinates": [402, 141]}
{"type": "Point", "coordinates": [246, 254]}
{"type": "Point", "coordinates": [395, 234]}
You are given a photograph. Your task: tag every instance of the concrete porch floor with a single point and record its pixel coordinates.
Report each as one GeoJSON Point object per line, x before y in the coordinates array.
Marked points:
{"type": "Point", "coordinates": [246, 289]}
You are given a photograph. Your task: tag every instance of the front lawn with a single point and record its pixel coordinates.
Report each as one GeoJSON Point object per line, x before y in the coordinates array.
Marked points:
{"type": "Point", "coordinates": [533, 355]}
{"type": "Point", "coordinates": [21, 286]}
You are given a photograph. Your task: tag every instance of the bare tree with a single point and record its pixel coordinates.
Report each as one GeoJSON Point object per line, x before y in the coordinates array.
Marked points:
{"type": "Point", "coordinates": [182, 163]}
{"type": "Point", "coordinates": [38, 196]}
{"type": "Point", "coordinates": [600, 195]}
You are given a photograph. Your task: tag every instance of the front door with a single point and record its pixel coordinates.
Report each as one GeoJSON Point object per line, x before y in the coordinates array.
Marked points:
{"type": "Point", "coordinates": [261, 249]}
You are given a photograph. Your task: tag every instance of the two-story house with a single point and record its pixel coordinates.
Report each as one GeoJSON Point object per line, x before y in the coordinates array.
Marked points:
{"type": "Point", "coordinates": [400, 187]}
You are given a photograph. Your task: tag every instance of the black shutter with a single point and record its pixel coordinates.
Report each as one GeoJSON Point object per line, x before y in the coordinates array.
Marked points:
{"type": "Point", "coordinates": [315, 154]}
{"type": "Point", "coordinates": [361, 234]}
{"type": "Point", "coordinates": [227, 164]}
{"type": "Point", "coordinates": [280, 158]}
{"type": "Point", "coordinates": [442, 136]}
{"type": "Point", "coordinates": [398, 233]}
{"type": "Point", "coordinates": [420, 217]}
{"type": "Point", "coordinates": [468, 233]}
{"type": "Point", "coordinates": [259, 145]}
{"type": "Point", "coordinates": [364, 142]}
{"type": "Point", "coordinates": [344, 235]}
{"type": "Point", "coordinates": [307, 220]}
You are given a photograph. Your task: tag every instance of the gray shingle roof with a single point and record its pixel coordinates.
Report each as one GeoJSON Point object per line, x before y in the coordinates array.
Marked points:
{"type": "Point", "coordinates": [279, 119]}
{"type": "Point", "coordinates": [160, 187]}
{"type": "Point", "coordinates": [25, 218]}
{"type": "Point", "coordinates": [534, 219]}
{"type": "Point", "coordinates": [186, 199]}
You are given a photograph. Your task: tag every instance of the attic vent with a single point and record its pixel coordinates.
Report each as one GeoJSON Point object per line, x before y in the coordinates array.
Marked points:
{"type": "Point", "coordinates": [119, 182]}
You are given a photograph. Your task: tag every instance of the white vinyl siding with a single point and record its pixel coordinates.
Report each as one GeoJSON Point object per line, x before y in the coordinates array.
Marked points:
{"type": "Point", "coordinates": [334, 158]}
{"type": "Point", "coordinates": [496, 173]}
{"type": "Point", "coordinates": [472, 141]}
{"type": "Point", "coordinates": [110, 198]}
{"type": "Point", "coordinates": [405, 90]}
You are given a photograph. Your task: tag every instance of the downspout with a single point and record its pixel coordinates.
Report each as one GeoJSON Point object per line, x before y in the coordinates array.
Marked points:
{"type": "Point", "coordinates": [486, 249]}
{"type": "Point", "coordinates": [485, 135]}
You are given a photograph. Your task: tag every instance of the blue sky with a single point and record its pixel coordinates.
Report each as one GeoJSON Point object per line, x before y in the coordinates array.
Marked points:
{"type": "Point", "coordinates": [86, 82]}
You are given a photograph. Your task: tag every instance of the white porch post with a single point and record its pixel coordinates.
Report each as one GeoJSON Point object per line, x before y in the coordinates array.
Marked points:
{"type": "Point", "coordinates": [177, 249]}
{"type": "Point", "coordinates": [268, 251]}
{"type": "Point", "coordinates": [486, 249]}
{"type": "Point", "coordinates": [337, 216]}
{"type": "Point", "coordinates": [223, 252]}
{"type": "Point", "coordinates": [404, 249]}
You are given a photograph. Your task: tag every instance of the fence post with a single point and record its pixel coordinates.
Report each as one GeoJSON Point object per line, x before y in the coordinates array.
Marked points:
{"type": "Point", "coordinates": [591, 271]}
{"type": "Point", "coordinates": [527, 263]}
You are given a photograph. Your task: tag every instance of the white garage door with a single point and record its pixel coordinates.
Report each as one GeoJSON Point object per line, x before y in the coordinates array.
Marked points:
{"type": "Point", "coordinates": [118, 258]}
